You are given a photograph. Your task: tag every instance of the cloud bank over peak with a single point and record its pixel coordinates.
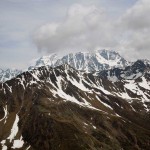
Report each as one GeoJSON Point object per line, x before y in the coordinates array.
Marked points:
{"type": "Point", "coordinates": [137, 18]}
{"type": "Point", "coordinates": [89, 27]}
{"type": "Point", "coordinates": [84, 28]}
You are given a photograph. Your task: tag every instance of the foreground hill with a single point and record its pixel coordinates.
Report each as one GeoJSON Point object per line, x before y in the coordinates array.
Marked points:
{"type": "Point", "coordinates": [62, 108]}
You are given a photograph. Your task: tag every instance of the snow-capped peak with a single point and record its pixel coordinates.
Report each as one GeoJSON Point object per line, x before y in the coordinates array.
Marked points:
{"type": "Point", "coordinates": [7, 74]}
{"type": "Point", "coordinates": [111, 58]}
{"type": "Point", "coordinates": [86, 61]}
{"type": "Point", "coordinates": [44, 61]}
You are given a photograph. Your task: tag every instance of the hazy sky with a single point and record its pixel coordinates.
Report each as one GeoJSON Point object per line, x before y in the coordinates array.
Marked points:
{"type": "Point", "coordinates": [32, 28]}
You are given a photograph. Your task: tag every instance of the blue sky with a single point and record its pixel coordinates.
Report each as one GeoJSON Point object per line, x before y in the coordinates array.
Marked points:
{"type": "Point", "coordinates": [26, 25]}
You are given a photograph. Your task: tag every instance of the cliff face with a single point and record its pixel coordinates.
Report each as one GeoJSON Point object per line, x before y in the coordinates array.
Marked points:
{"type": "Point", "coordinates": [64, 109]}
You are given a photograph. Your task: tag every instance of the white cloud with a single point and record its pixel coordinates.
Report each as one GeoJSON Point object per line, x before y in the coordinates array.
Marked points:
{"type": "Point", "coordinates": [90, 28]}
{"type": "Point", "coordinates": [135, 28]}
{"type": "Point", "coordinates": [84, 28]}
{"type": "Point", "coordinates": [137, 17]}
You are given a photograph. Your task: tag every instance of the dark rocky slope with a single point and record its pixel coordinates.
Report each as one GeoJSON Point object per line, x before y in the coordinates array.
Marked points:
{"type": "Point", "coordinates": [64, 109]}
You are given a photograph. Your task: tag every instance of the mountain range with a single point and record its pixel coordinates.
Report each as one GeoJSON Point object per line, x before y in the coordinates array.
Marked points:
{"type": "Point", "coordinates": [85, 61]}
{"type": "Point", "coordinates": [7, 74]}
{"type": "Point", "coordinates": [106, 63]}
{"type": "Point", "coordinates": [82, 101]}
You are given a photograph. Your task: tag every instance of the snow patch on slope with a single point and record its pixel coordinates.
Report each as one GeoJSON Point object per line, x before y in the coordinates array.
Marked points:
{"type": "Point", "coordinates": [14, 129]}
{"type": "Point", "coordinates": [18, 143]}
{"type": "Point", "coordinates": [5, 114]}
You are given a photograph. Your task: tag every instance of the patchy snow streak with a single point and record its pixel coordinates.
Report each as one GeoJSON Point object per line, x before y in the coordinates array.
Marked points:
{"type": "Point", "coordinates": [14, 129]}
{"type": "Point", "coordinates": [104, 103]}
{"type": "Point", "coordinates": [4, 147]}
{"type": "Point", "coordinates": [18, 143]}
{"type": "Point", "coordinates": [144, 84]}
{"type": "Point", "coordinates": [5, 115]}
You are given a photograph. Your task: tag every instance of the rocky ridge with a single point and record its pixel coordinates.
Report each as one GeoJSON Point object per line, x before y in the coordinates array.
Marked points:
{"type": "Point", "coordinates": [63, 108]}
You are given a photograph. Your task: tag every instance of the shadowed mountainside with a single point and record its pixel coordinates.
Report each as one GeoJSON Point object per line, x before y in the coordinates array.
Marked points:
{"type": "Point", "coordinates": [62, 108]}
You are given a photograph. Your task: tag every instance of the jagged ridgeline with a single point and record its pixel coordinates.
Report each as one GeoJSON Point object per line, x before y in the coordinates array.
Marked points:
{"type": "Point", "coordinates": [67, 108]}
{"type": "Point", "coordinates": [85, 61]}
